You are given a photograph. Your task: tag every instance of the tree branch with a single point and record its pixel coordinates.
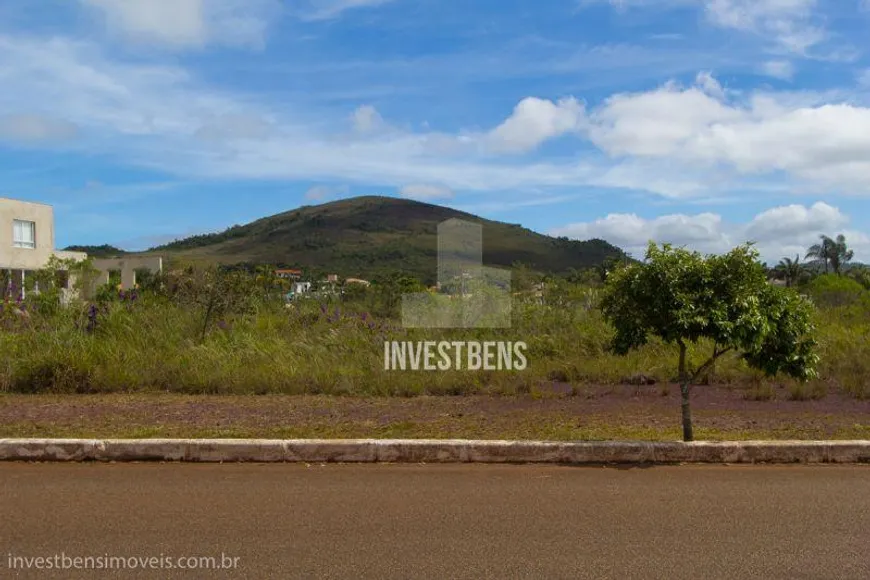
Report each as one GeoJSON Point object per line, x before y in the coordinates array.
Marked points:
{"type": "Point", "coordinates": [716, 354]}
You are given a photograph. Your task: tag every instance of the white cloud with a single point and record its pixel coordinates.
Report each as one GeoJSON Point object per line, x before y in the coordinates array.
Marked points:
{"type": "Point", "coordinates": [790, 221]}
{"type": "Point", "coordinates": [703, 231]}
{"type": "Point", "coordinates": [697, 141]}
{"type": "Point", "coordinates": [426, 192]}
{"type": "Point", "coordinates": [789, 22]}
{"type": "Point", "coordinates": [184, 24]}
{"type": "Point", "coordinates": [235, 127]}
{"type": "Point", "coordinates": [777, 232]}
{"type": "Point", "coordinates": [324, 192]}
{"type": "Point", "coordinates": [828, 144]}
{"type": "Point", "coordinates": [534, 121]}
{"type": "Point", "coordinates": [35, 128]}
{"type": "Point", "coordinates": [624, 5]}
{"type": "Point", "coordinates": [709, 85]}
{"type": "Point", "coordinates": [329, 9]}
{"type": "Point", "coordinates": [113, 99]}
{"type": "Point", "coordinates": [661, 122]}
{"type": "Point", "coordinates": [778, 69]}
{"type": "Point", "coordinates": [367, 119]}
{"type": "Point", "coordinates": [793, 25]}
{"type": "Point", "coordinates": [666, 179]}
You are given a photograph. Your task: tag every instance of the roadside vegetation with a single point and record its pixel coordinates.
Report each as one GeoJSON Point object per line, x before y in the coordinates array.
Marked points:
{"type": "Point", "coordinates": [684, 298]}
{"type": "Point", "coordinates": [229, 331]}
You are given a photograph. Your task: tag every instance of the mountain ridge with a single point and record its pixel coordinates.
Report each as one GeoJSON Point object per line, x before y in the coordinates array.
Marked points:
{"type": "Point", "coordinates": [372, 235]}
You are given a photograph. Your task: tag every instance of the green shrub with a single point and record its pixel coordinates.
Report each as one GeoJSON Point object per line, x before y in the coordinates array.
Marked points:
{"type": "Point", "coordinates": [813, 390]}
{"type": "Point", "coordinates": [832, 290]}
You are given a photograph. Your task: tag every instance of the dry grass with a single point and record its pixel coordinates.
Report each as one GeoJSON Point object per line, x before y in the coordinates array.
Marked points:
{"type": "Point", "coordinates": [614, 416]}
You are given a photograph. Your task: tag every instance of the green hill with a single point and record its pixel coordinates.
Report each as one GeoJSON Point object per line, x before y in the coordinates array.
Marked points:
{"type": "Point", "coordinates": [104, 251]}
{"type": "Point", "coordinates": [368, 236]}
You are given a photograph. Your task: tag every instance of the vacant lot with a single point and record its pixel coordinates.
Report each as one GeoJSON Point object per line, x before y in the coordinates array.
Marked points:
{"type": "Point", "coordinates": [212, 357]}
{"type": "Point", "coordinates": [603, 412]}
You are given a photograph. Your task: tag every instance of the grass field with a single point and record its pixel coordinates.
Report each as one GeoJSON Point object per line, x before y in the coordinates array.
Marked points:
{"type": "Point", "coordinates": [158, 365]}
{"type": "Point", "coordinates": [153, 345]}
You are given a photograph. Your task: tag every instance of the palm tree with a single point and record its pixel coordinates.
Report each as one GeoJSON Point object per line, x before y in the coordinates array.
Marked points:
{"type": "Point", "coordinates": [789, 269]}
{"type": "Point", "coordinates": [821, 252]}
{"type": "Point", "coordinates": [840, 253]}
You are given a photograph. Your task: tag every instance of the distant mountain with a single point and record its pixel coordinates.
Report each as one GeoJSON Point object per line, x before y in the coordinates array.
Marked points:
{"type": "Point", "coordinates": [104, 251]}
{"type": "Point", "coordinates": [368, 236]}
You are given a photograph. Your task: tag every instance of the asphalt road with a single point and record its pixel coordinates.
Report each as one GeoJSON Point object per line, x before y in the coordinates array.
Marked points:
{"type": "Point", "coordinates": [451, 521]}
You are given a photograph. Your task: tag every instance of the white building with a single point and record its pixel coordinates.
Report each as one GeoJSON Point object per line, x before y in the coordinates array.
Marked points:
{"type": "Point", "coordinates": [27, 245]}
{"type": "Point", "coordinates": [27, 241]}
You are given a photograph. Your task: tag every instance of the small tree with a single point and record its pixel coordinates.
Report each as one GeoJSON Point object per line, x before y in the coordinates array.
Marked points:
{"type": "Point", "coordinates": [840, 253]}
{"type": "Point", "coordinates": [523, 279]}
{"type": "Point", "coordinates": [789, 270]}
{"type": "Point", "coordinates": [821, 252]}
{"type": "Point", "coordinates": [683, 297]}
{"type": "Point", "coordinates": [388, 291]}
{"type": "Point", "coordinates": [833, 251]}
{"type": "Point", "coordinates": [77, 275]}
{"type": "Point", "coordinates": [605, 267]}
{"type": "Point", "coordinates": [216, 293]}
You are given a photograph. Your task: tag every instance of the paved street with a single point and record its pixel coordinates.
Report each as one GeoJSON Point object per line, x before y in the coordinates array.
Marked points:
{"type": "Point", "coordinates": [451, 521]}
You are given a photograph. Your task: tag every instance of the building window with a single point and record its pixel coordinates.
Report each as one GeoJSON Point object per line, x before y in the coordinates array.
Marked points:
{"type": "Point", "coordinates": [23, 234]}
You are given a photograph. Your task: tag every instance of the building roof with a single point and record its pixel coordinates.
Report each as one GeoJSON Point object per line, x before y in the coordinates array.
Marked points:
{"type": "Point", "coordinates": [25, 201]}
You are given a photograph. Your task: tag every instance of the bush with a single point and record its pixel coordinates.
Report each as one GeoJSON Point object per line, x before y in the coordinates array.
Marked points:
{"type": "Point", "coordinates": [831, 290]}
{"type": "Point", "coordinates": [53, 376]}
{"type": "Point", "coordinates": [813, 390]}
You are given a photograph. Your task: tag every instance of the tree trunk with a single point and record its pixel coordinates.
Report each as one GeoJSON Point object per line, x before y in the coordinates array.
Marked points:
{"type": "Point", "coordinates": [688, 434]}
{"type": "Point", "coordinates": [206, 321]}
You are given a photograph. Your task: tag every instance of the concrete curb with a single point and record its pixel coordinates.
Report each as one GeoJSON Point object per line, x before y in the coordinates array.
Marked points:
{"type": "Point", "coordinates": [432, 451]}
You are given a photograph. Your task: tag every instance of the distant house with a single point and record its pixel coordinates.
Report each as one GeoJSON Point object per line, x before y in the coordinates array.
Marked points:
{"type": "Point", "coordinates": [301, 287]}
{"type": "Point", "coordinates": [365, 283]}
{"type": "Point", "coordinates": [297, 289]}
{"type": "Point", "coordinates": [289, 274]}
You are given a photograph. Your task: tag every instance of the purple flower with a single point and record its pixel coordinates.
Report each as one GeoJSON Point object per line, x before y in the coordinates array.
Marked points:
{"type": "Point", "coordinates": [323, 308]}
{"type": "Point", "coordinates": [92, 318]}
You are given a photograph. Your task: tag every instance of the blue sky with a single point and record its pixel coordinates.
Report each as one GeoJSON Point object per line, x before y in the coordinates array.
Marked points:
{"type": "Point", "coordinates": [698, 122]}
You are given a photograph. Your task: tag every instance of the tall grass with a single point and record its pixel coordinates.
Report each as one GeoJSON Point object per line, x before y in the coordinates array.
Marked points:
{"type": "Point", "coordinates": [156, 343]}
